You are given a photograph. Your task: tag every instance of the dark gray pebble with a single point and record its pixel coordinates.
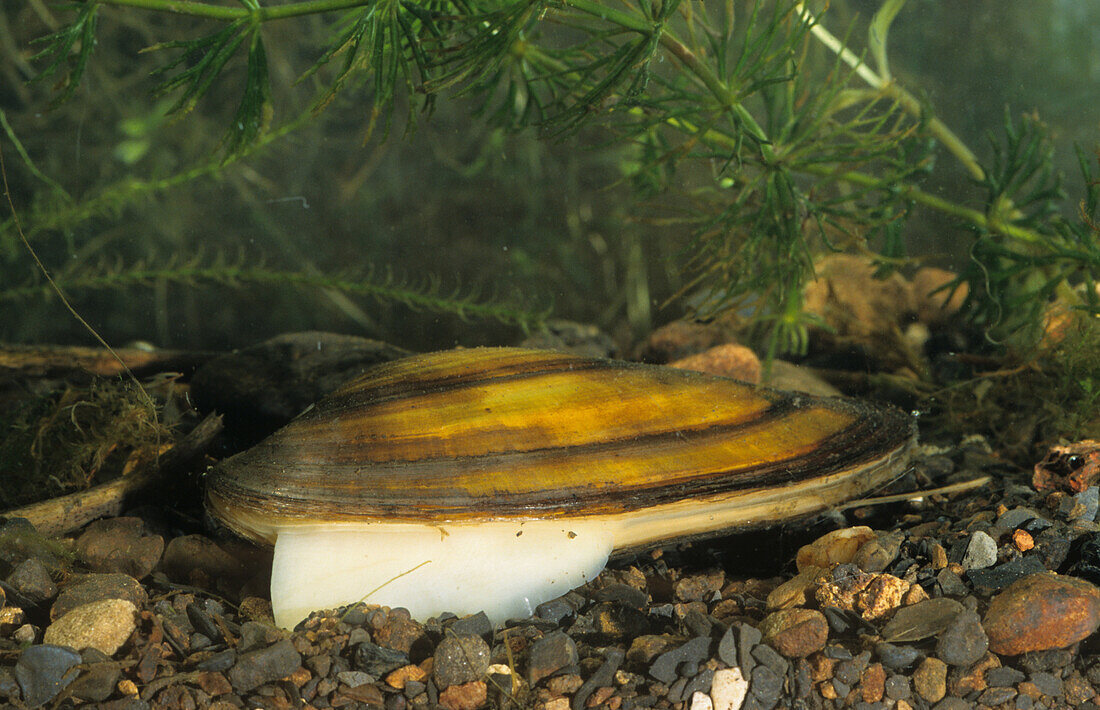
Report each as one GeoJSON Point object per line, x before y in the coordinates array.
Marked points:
{"type": "Point", "coordinates": [697, 623]}
{"type": "Point", "coordinates": [255, 634]}
{"type": "Point", "coordinates": [666, 668]}
{"type": "Point", "coordinates": [896, 657]}
{"type": "Point", "coordinates": [204, 623]}
{"type": "Point", "coordinates": [1012, 519]}
{"type": "Point", "coordinates": [953, 704]}
{"type": "Point", "coordinates": [999, 577]}
{"type": "Point", "coordinates": [378, 661]}
{"type": "Point", "coordinates": [964, 641]}
{"type": "Point", "coordinates": [474, 625]}
{"type": "Point", "coordinates": [603, 676]}
{"type": "Point", "coordinates": [31, 579]}
{"type": "Point", "coordinates": [624, 594]}
{"type": "Point", "coordinates": [255, 668]}
{"type": "Point", "coordinates": [553, 653]}
{"type": "Point", "coordinates": [950, 584]}
{"type": "Point", "coordinates": [675, 692]}
{"type": "Point", "coordinates": [413, 688]}
{"type": "Point", "coordinates": [1003, 677]}
{"type": "Point", "coordinates": [699, 684]}
{"type": "Point", "coordinates": [837, 653]}
{"type": "Point", "coordinates": [727, 648]}
{"type": "Point", "coordinates": [767, 655]}
{"type": "Point", "coordinates": [897, 687]}
{"type": "Point", "coordinates": [355, 616]}
{"type": "Point", "coordinates": [748, 637]}
{"type": "Point", "coordinates": [556, 611]}
{"type": "Point", "coordinates": [766, 687]}
{"type": "Point", "coordinates": [221, 661]}
{"type": "Point", "coordinates": [996, 696]}
{"type": "Point", "coordinates": [460, 659]}
{"type": "Point", "coordinates": [44, 671]}
{"type": "Point", "coordinates": [1045, 660]}
{"type": "Point", "coordinates": [1047, 683]}
{"type": "Point", "coordinates": [1024, 702]}
{"type": "Point", "coordinates": [97, 681]}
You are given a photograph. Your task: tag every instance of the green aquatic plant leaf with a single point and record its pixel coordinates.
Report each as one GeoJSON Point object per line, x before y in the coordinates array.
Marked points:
{"type": "Point", "coordinates": [58, 54]}
{"type": "Point", "coordinates": [200, 62]}
{"type": "Point", "coordinates": [254, 112]}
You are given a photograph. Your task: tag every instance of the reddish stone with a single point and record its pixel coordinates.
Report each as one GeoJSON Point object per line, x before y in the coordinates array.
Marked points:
{"type": "Point", "coordinates": [872, 683]}
{"type": "Point", "coordinates": [467, 696]}
{"type": "Point", "coordinates": [727, 360]}
{"type": "Point", "coordinates": [1042, 612]}
{"type": "Point", "coordinates": [795, 633]}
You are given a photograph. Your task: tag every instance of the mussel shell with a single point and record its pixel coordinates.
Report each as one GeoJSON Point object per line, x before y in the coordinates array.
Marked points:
{"type": "Point", "coordinates": [508, 433]}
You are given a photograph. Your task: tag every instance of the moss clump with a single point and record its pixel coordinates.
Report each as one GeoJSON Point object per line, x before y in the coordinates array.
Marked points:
{"type": "Point", "coordinates": [70, 439]}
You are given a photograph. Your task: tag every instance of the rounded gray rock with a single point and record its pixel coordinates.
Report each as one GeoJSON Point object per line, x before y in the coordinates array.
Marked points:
{"type": "Point", "coordinates": [460, 659]}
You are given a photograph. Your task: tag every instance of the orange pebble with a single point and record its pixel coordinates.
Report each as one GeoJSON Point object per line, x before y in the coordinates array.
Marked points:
{"type": "Point", "coordinates": [1023, 540]}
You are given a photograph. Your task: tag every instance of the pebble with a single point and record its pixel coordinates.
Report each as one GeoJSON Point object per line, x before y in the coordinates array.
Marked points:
{"type": "Point", "coordinates": [726, 360]}
{"type": "Point", "coordinates": [378, 661]}
{"type": "Point", "coordinates": [698, 587]}
{"type": "Point", "coordinates": [997, 578]}
{"type": "Point", "coordinates": [464, 696]}
{"type": "Point", "coordinates": [1040, 612]}
{"type": "Point", "coordinates": [668, 665]}
{"type": "Point", "coordinates": [264, 665]}
{"type": "Point", "coordinates": [553, 653]}
{"type": "Point", "coordinates": [199, 561]}
{"type": "Point", "coordinates": [603, 677]}
{"type": "Point", "coordinates": [921, 620]}
{"type": "Point", "coordinates": [876, 555]}
{"type": "Point", "coordinates": [838, 546]}
{"type": "Point", "coordinates": [896, 657]}
{"type": "Point", "coordinates": [120, 545]}
{"type": "Point", "coordinates": [97, 681]}
{"type": "Point", "coordinates": [701, 701]}
{"type": "Point", "coordinates": [44, 671]}
{"type": "Point", "coordinates": [930, 679]}
{"type": "Point", "coordinates": [981, 551]}
{"type": "Point", "coordinates": [103, 625]}
{"type": "Point", "coordinates": [95, 587]}
{"type": "Point", "coordinates": [765, 688]}
{"type": "Point", "coordinates": [872, 596]}
{"type": "Point", "coordinates": [728, 689]}
{"type": "Point", "coordinates": [459, 660]}
{"type": "Point", "coordinates": [31, 579]}
{"type": "Point", "coordinates": [963, 641]}
{"type": "Point", "coordinates": [475, 625]}
{"type": "Point", "coordinates": [795, 633]}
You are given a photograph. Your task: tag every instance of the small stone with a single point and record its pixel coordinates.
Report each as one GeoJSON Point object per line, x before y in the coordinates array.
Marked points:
{"type": "Point", "coordinates": [475, 624]}
{"type": "Point", "coordinates": [1022, 540]}
{"type": "Point", "coordinates": [32, 580]}
{"type": "Point", "coordinates": [748, 637]}
{"type": "Point", "coordinates": [727, 648]}
{"type": "Point", "coordinates": [872, 683]}
{"type": "Point", "coordinates": [255, 668]}
{"type": "Point", "coordinates": [1077, 690]}
{"type": "Point", "coordinates": [378, 661]}
{"type": "Point", "coordinates": [992, 697]}
{"type": "Point", "coordinates": [400, 632]}
{"type": "Point", "coordinates": [876, 555]}
{"type": "Point", "coordinates": [603, 677]}
{"type": "Point", "coordinates": [930, 679]}
{"type": "Point", "coordinates": [896, 657]}
{"type": "Point", "coordinates": [950, 584]}
{"type": "Point", "coordinates": [981, 551]}
{"type": "Point", "coordinates": [354, 679]}
{"type": "Point", "coordinates": [551, 654]}
{"type": "Point", "coordinates": [726, 360]}
{"type": "Point", "coordinates": [403, 675]}
{"type": "Point", "coordinates": [794, 591]}
{"type": "Point", "coordinates": [963, 641]}
{"type": "Point", "coordinates": [96, 587]}
{"type": "Point", "coordinates": [963, 682]}
{"type": "Point", "coordinates": [199, 561]}
{"type": "Point", "coordinates": [120, 545]}
{"type": "Point", "coordinates": [872, 596]}
{"type": "Point", "coordinates": [795, 633]}
{"type": "Point", "coordinates": [701, 701]}
{"type": "Point", "coordinates": [103, 625]}
{"type": "Point", "coordinates": [838, 546]}
{"type": "Point", "coordinates": [645, 648]}
{"type": "Point", "coordinates": [766, 687]}
{"type": "Point", "coordinates": [921, 620]}
{"type": "Point", "coordinates": [1003, 677]}
{"type": "Point", "coordinates": [999, 577]}
{"type": "Point", "coordinates": [97, 682]}
{"type": "Point", "coordinates": [897, 687]}
{"type": "Point", "coordinates": [1047, 683]}
{"type": "Point", "coordinates": [699, 587]}
{"type": "Point", "coordinates": [666, 667]}
{"type": "Point", "coordinates": [728, 689]}
{"type": "Point", "coordinates": [556, 611]}
{"type": "Point", "coordinates": [1040, 612]}
{"type": "Point", "coordinates": [44, 671]}
{"type": "Point", "coordinates": [460, 660]}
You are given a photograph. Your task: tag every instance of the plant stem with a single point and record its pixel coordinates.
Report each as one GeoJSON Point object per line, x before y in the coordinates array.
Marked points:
{"type": "Point", "coordinates": [218, 12]}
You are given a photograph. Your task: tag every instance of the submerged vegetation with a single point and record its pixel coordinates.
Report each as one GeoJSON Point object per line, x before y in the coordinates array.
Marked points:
{"type": "Point", "coordinates": [757, 134]}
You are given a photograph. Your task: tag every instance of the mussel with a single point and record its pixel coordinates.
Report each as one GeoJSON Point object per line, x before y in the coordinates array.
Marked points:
{"type": "Point", "coordinates": [497, 478]}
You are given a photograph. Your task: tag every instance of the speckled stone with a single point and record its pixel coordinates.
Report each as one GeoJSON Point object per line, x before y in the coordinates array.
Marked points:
{"type": "Point", "coordinates": [103, 625]}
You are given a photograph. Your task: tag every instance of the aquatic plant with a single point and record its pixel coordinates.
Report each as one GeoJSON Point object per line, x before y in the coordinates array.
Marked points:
{"type": "Point", "coordinates": [749, 124]}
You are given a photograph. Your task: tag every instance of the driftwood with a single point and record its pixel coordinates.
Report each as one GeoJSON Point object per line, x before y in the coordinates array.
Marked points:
{"type": "Point", "coordinates": [66, 513]}
{"type": "Point", "coordinates": [63, 361]}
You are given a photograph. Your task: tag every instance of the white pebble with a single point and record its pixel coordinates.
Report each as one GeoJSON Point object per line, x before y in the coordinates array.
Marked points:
{"type": "Point", "coordinates": [701, 701]}
{"type": "Point", "coordinates": [728, 689]}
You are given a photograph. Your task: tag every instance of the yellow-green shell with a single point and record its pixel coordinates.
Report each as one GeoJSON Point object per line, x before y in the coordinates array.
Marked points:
{"type": "Point", "coordinates": [507, 433]}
